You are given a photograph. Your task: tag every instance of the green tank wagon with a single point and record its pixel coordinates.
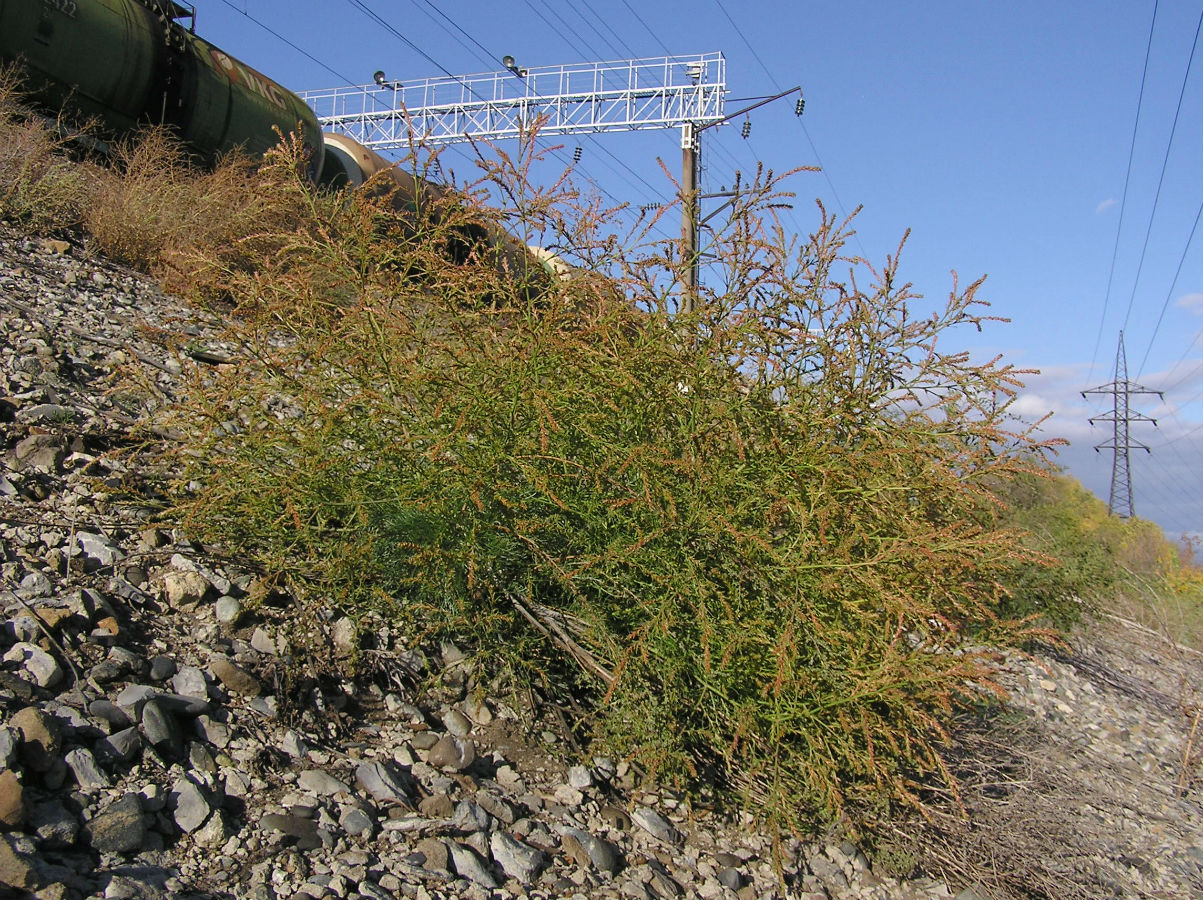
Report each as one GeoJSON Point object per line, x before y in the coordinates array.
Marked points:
{"type": "Point", "coordinates": [127, 63]}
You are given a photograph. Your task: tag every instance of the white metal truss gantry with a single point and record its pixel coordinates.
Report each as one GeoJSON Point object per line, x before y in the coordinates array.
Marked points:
{"type": "Point", "coordinates": [623, 95]}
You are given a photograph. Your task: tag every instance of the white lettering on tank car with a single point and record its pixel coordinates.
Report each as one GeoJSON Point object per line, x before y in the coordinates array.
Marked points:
{"type": "Point", "coordinates": [68, 8]}
{"type": "Point", "coordinates": [248, 78]}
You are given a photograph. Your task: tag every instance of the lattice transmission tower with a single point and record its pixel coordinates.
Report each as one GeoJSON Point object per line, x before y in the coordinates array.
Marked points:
{"type": "Point", "coordinates": [1121, 417]}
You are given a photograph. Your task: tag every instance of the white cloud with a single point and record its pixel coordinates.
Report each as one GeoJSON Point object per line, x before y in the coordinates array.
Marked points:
{"type": "Point", "coordinates": [1167, 484]}
{"type": "Point", "coordinates": [1104, 206]}
{"type": "Point", "coordinates": [1180, 382]}
{"type": "Point", "coordinates": [1191, 302]}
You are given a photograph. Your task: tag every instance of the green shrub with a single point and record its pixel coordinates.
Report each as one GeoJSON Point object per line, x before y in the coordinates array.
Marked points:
{"type": "Point", "coordinates": [752, 531]}
{"type": "Point", "coordinates": [1092, 561]}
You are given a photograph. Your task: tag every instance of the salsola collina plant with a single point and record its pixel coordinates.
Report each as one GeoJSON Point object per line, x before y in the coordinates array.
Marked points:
{"type": "Point", "coordinates": [40, 188]}
{"type": "Point", "coordinates": [752, 531]}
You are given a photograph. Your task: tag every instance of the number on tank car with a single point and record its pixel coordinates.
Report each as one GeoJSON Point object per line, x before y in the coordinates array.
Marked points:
{"type": "Point", "coordinates": [68, 8]}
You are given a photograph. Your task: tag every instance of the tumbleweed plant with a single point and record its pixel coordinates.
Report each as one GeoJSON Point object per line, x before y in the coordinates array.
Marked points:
{"type": "Point", "coordinates": [40, 187]}
{"type": "Point", "coordinates": [753, 531]}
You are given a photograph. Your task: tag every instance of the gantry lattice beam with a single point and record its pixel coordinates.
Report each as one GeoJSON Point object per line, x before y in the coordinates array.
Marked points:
{"type": "Point", "coordinates": [625, 95]}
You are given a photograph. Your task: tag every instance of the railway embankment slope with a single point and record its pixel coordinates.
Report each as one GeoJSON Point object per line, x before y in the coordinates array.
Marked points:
{"type": "Point", "coordinates": [158, 738]}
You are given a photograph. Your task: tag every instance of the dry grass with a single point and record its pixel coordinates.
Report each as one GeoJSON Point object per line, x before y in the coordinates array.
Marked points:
{"type": "Point", "coordinates": [153, 207]}
{"type": "Point", "coordinates": [1058, 807]}
{"type": "Point", "coordinates": [40, 187]}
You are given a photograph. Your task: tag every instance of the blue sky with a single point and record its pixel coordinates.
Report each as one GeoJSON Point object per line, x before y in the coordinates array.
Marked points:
{"type": "Point", "coordinates": [998, 133]}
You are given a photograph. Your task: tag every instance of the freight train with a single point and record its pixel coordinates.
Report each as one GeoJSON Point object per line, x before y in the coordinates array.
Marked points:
{"type": "Point", "coordinates": [129, 63]}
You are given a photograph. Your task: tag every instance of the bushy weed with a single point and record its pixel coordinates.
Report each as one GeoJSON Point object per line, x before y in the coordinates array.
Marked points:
{"type": "Point", "coordinates": [752, 530]}
{"type": "Point", "coordinates": [40, 188]}
{"type": "Point", "coordinates": [153, 205]}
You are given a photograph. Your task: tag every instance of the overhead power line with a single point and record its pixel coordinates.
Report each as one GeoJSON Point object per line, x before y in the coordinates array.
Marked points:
{"type": "Point", "coordinates": [1170, 293]}
{"type": "Point", "coordinates": [285, 40]}
{"type": "Point", "coordinates": [805, 131]}
{"type": "Point", "coordinates": [1124, 201]}
{"type": "Point", "coordinates": [1164, 163]}
{"type": "Point", "coordinates": [487, 56]}
{"type": "Point", "coordinates": [647, 28]}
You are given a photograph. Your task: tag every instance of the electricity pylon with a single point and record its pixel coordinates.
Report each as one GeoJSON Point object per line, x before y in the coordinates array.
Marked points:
{"type": "Point", "coordinates": [1121, 416]}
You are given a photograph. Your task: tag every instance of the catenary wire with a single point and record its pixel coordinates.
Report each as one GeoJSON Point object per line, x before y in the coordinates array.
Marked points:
{"type": "Point", "coordinates": [485, 55]}
{"type": "Point", "coordinates": [387, 26]}
{"type": "Point", "coordinates": [1192, 372]}
{"type": "Point", "coordinates": [805, 131]}
{"type": "Point", "coordinates": [621, 171]}
{"type": "Point", "coordinates": [647, 28]}
{"type": "Point", "coordinates": [576, 8]}
{"type": "Point", "coordinates": [285, 40]}
{"type": "Point", "coordinates": [591, 53]}
{"type": "Point", "coordinates": [630, 51]}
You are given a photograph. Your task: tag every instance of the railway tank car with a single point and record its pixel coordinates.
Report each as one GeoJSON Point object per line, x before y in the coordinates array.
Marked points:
{"type": "Point", "coordinates": [129, 63]}
{"type": "Point", "coordinates": [126, 63]}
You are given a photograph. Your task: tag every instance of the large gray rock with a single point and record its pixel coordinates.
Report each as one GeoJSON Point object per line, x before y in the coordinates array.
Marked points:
{"type": "Point", "coordinates": [190, 805]}
{"type": "Point", "coordinates": [591, 852]}
{"type": "Point", "coordinates": [357, 823]}
{"type": "Point", "coordinates": [54, 824]}
{"type": "Point", "coordinates": [110, 712]}
{"type": "Point", "coordinates": [190, 681]}
{"type": "Point", "coordinates": [88, 775]}
{"type": "Point", "coordinates": [457, 723]}
{"type": "Point", "coordinates": [468, 864]}
{"type": "Point", "coordinates": [39, 452]}
{"type": "Point", "coordinates": [39, 666]}
{"type": "Point", "coordinates": [53, 413]}
{"type": "Point", "coordinates": [497, 807]}
{"type": "Point", "coordinates": [385, 782]}
{"type": "Point", "coordinates": [162, 730]}
{"type": "Point", "coordinates": [119, 828]}
{"type": "Point", "coordinates": [228, 610]}
{"type": "Point", "coordinates": [134, 697]}
{"type": "Point", "coordinates": [315, 781]}
{"type": "Point", "coordinates": [99, 551]}
{"type": "Point", "coordinates": [35, 584]}
{"type": "Point", "coordinates": [470, 818]}
{"type": "Point", "coordinates": [452, 754]}
{"type": "Point", "coordinates": [656, 825]}
{"type": "Point", "coordinates": [519, 861]}
{"type": "Point", "coordinates": [121, 746]}
{"type": "Point", "coordinates": [305, 830]}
